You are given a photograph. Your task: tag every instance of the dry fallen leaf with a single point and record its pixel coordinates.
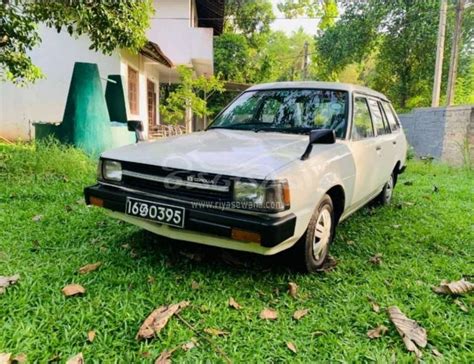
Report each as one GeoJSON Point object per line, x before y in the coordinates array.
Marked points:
{"type": "Point", "coordinates": [164, 358]}
{"type": "Point", "coordinates": [461, 306]}
{"type": "Point", "coordinates": [233, 303]}
{"type": "Point", "coordinates": [158, 319]}
{"type": "Point", "coordinates": [454, 288]}
{"type": "Point", "coordinates": [291, 346]}
{"type": "Point", "coordinates": [8, 281]}
{"type": "Point", "coordinates": [20, 359]}
{"type": "Point", "coordinates": [413, 335]}
{"type": "Point", "coordinates": [73, 289]}
{"type": "Point", "coordinates": [292, 289]}
{"type": "Point", "coordinates": [377, 332]}
{"type": "Point", "coordinates": [234, 259]}
{"type": "Point", "coordinates": [215, 332]}
{"type": "Point", "coordinates": [89, 268]}
{"type": "Point", "coordinates": [189, 345]}
{"type": "Point", "coordinates": [376, 259]}
{"type": "Point", "coordinates": [375, 306]}
{"type": "Point", "coordinates": [5, 358]}
{"type": "Point", "coordinates": [197, 257]}
{"type": "Point", "coordinates": [37, 218]}
{"type": "Point", "coordinates": [268, 314]}
{"type": "Point", "coordinates": [350, 242]}
{"type": "Point", "coordinates": [195, 285]}
{"type": "Point", "coordinates": [126, 246]}
{"type": "Point", "coordinates": [329, 264]}
{"type": "Point", "coordinates": [91, 336]}
{"type": "Point", "coordinates": [151, 279]}
{"type": "Point", "coordinates": [76, 359]}
{"type": "Point", "coordinates": [436, 353]}
{"type": "Point", "coordinates": [300, 313]}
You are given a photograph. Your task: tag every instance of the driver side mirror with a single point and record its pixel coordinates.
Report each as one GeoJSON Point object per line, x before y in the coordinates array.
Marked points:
{"type": "Point", "coordinates": [321, 136]}
{"type": "Point", "coordinates": [137, 127]}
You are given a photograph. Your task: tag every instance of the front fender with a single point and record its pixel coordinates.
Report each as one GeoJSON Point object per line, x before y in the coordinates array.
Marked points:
{"type": "Point", "coordinates": [309, 180]}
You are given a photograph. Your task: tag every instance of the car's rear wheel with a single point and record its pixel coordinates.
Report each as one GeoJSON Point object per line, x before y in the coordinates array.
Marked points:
{"type": "Point", "coordinates": [385, 197]}
{"type": "Point", "coordinates": [313, 247]}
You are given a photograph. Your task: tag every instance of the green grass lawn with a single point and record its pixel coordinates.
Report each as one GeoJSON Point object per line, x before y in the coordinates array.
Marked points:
{"type": "Point", "coordinates": [427, 235]}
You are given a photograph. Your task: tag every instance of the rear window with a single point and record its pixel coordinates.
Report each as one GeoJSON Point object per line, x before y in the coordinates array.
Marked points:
{"type": "Point", "coordinates": [389, 113]}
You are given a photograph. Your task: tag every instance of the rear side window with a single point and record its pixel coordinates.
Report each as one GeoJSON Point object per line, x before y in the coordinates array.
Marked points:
{"type": "Point", "coordinates": [377, 118]}
{"type": "Point", "coordinates": [362, 123]}
{"type": "Point", "coordinates": [392, 120]}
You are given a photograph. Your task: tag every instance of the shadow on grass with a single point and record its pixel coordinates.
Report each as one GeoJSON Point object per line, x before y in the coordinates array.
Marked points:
{"type": "Point", "coordinates": [185, 257]}
{"type": "Point", "coordinates": [178, 255]}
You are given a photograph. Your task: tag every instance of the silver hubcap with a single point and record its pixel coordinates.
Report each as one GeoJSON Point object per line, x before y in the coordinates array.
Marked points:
{"type": "Point", "coordinates": [388, 190]}
{"type": "Point", "coordinates": [322, 233]}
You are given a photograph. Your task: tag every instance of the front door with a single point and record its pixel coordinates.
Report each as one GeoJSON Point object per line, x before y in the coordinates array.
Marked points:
{"type": "Point", "coordinates": [151, 97]}
{"type": "Point", "coordinates": [364, 148]}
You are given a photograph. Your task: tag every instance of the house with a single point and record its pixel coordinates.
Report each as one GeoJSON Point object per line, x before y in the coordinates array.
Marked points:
{"type": "Point", "coordinates": [181, 33]}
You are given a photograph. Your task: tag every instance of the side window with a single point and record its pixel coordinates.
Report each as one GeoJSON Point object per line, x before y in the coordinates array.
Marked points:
{"type": "Point", "coordinates": [384, 117]}
{"type": "Point", "coordinates": [377, 117]}
{"type": "Point", "coordinates": [362, 123]}
{"type": "Point", "coordinates": [392, 120]}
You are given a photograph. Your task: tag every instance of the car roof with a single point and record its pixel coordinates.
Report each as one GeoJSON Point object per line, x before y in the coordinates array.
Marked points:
{"type": "Point", "coordinates": [318, 85]}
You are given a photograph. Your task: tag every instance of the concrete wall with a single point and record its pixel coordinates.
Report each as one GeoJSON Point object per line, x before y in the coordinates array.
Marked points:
{"type": "Point", "coordinates": [45, 100]}
{"type": "Point", "coordinates": [445, 133]}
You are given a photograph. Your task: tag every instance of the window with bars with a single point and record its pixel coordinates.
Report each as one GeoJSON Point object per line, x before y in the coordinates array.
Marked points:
{"type": "Point", "coordinates": [133, 90]}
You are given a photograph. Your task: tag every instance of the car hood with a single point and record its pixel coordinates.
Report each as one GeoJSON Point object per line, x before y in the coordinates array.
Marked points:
{"type": "Point", "coordinates": [227, 152]}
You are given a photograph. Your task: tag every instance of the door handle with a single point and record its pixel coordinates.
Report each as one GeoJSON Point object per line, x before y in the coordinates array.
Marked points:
{"type": "Point", "coordinates": [378, 147]}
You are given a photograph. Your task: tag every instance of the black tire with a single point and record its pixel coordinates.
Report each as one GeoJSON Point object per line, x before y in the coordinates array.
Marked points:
{"type": "Point", "coordinates": [384, 198]}
{"type": "Point", "coordinates": [307, 259]}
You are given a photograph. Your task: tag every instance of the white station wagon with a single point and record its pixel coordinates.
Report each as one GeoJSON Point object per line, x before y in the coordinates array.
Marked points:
{"type": "Point", "coordinates": [279, 167]}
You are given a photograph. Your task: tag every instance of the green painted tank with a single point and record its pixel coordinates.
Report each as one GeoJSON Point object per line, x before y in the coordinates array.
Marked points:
{"type": "Point", "coordinates": [87, 122]}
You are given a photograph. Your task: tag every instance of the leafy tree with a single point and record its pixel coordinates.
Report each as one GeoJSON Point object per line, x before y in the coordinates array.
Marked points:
{"type": "Point", "coordinates": [248, 17]}
{"type": "Point", "coordinates": [186, 95]}
{"type": "Point", "coordinates": [400, 37]}
{"type": "Point", "coordinates": [232, 56]}
{"type": "Point", "coordinates": [108, 24]}
{"type": "Point", "coordinates": [327, 10]}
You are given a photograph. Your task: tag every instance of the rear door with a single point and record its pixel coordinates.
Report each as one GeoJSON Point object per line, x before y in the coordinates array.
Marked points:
{"type": "Point", "coordinates": [363, 145]}
{"type": "Point", "coordinates": [384, 143]}
{"type": "Point", "coordinates": [399, 142]}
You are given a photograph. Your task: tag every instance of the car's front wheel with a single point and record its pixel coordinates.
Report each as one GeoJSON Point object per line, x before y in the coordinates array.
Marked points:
{"type": "Point", "coordinates": [313, 247]}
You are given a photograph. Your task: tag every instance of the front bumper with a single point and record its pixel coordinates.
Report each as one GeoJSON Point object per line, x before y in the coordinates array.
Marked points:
{"type": "Point", "coordinates": [273, 230]}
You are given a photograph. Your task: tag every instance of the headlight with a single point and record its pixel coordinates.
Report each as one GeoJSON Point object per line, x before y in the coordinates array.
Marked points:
{"type": "Point", "coordinates": [112, 170]}
{"type": "Point", "coordinates": [272, 196]}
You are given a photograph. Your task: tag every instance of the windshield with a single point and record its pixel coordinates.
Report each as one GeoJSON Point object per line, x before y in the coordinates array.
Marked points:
{"type": "Point", "coordinates": [288, 110]}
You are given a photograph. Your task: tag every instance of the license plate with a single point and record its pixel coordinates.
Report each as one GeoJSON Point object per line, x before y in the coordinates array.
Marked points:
{"type": "Point", "coordinates": [158, 212]}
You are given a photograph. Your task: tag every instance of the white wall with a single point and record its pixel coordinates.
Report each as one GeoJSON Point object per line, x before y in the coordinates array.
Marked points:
{"type": "Point", "coordinates": [172, 29]}
{"type": "Point", "coordinates": [46, 99]}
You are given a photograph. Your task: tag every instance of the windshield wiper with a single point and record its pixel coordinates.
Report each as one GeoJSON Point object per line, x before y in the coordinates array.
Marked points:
{"type": "Point", "coordinates": [237, 126]}
{"type": "Point", "coordinates": [298, 130]}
